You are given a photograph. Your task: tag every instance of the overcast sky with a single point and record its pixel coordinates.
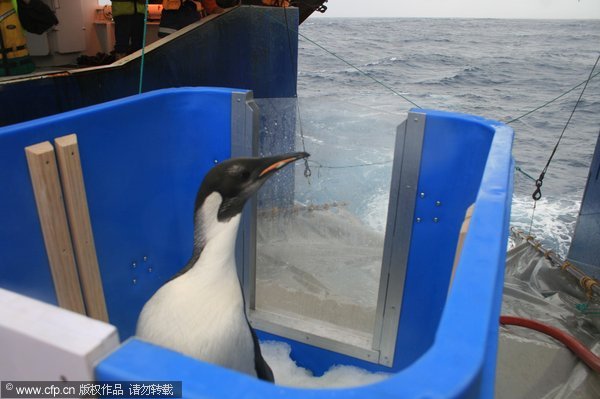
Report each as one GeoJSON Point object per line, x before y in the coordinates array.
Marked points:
{"type": "Point", "coordinates": [565, 9]}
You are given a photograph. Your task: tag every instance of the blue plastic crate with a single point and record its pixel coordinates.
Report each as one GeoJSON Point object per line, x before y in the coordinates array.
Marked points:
{"type": "Point", "coordinates": [143, 158]}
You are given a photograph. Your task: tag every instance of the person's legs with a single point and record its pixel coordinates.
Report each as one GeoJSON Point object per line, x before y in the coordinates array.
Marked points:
{"type": "Point", "coordinates": [122, 34]}
{"type": "Point", "coordinates": [137, 31]}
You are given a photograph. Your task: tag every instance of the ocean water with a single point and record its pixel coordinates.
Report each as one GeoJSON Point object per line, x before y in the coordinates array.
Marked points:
{"type": "Point", "coordinates": [499, 69]}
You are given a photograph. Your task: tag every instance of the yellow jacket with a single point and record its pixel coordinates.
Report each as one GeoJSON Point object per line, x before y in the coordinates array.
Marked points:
{"type": "Point", "coordinates": [209, 5]}
{"type": "Point", "coordinates": [127, 7]}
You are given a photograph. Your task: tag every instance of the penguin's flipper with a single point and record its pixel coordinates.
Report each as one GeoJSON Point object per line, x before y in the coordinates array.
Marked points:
{"type": "Point", "coordinates": [263, 371]}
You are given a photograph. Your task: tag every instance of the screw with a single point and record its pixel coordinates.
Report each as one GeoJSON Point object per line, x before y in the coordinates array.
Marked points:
{"type": "Point", "coordinates": [134, 281]}
{"type": "Point", "coordinates": [422, 195]}
{"type": "Point", "coordinates": [436, 219]}
{"type": "Point", "coordinates": [438, 203]}
{"type": "Point", "coordinates": [216, 161]}
{"type": "Point", "coordinates": [149, 270]}
{"type": "Point", "coordinates": [418, 220]}
{"type": "Point", "coordinates": [134, 265]}
{"type": "Point", "coordinates": [145, 259]}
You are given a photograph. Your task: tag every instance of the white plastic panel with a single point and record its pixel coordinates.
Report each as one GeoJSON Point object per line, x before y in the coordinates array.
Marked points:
{"type": "Point", "coordinates": [42, 342]}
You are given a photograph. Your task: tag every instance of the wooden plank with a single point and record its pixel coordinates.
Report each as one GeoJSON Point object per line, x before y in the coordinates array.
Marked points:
{"type": "Point", "coordinates": [53, 219]}
{"type": "Point", "coordinates": [464, 229]}
{"type": "Point", "coordinates": [69, 162]}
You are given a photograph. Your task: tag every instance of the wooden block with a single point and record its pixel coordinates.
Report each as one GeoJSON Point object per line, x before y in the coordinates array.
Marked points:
{"type": "Point", "coordinates": [53, 219]}
{"type": "Point", "coordinates": [464, 229]}
{"type": "Point", "coordinates": [73, 186]}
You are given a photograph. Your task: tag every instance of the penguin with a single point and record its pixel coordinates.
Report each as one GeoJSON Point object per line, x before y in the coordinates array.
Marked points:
{"type": "Point", "coordinates": [200, 312]}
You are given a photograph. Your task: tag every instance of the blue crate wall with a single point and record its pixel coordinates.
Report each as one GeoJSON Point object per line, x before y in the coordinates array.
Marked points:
{"type": "Point", "coordinates": [143, 159]}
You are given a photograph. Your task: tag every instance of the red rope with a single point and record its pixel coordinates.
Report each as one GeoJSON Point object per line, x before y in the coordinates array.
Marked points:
{"type": "Point", "coordinates": [568, 340]}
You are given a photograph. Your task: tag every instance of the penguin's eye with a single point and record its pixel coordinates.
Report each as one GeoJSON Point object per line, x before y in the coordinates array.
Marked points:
{"type": "Point", "coordinates": [245, 175]}
{"type": "Point", "coordinates": [239, 173]}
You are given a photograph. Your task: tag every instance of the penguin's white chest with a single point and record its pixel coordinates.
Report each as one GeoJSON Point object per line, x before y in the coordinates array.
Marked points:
{"type": "Point", "coordinates": [201, 313]}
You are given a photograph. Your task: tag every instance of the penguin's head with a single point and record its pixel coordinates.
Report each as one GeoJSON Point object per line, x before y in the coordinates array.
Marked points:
{"type": "Point", "coordinates": [237, 179]}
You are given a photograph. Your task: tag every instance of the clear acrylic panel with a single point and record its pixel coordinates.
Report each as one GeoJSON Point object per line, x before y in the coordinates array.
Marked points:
{"type": "Point", "coordinates": [320, 237]}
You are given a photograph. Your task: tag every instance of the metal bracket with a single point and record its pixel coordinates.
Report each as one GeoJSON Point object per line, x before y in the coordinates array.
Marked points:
{"type": "Point", "coordinates": [403, 193]}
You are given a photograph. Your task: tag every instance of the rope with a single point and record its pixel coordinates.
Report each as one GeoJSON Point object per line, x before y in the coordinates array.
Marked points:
{"type": "Point", "coordinates": [532, 216]}
{"type": "Point", "coordinates": [346, 62]}
{"type": "Point", "coordinates": [518, 169]}
{"type": "Point", "coordinates": [143, 48]}
{"type": "Point", "coordinates": [585, 309]}
{"type": "Point", "coordinates": [307, 171]}
{"type": "Point", "coordinates": [585, 82]}
{"type": "Point", "coordinates": [551, 101]}
{"type": "Point", "coordinates": [590, 285]}
{"type": "Point", "coordinates": [358, 165]}
{"type": "Point", "coordinates": [361, 71]}
{"type": "Point", "coordinates": [537, 194]}
{"type": "Point", "coordinates": [412, 102]}
{"type": "Point", "coordinates": [565, 265]}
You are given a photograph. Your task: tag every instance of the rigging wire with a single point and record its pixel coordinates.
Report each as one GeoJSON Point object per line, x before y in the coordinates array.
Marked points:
{"type": "Point", "coordinates": [143, 48]}
{"type": "Point", "coordinates": [361, 71]}
{"type": "Point", "coordinates": [391, 89]}
{"type": "Point", "coordinates": [519, 169]}
{"type": "Point", "coordinates": [537, 194]}
{"type": "Point", "coordinates": [307, 171]}
{"type": "Point", "coordinates": [551, 101]}
{"type": "Point", "coordinates": [358, 165]}
{"type": "Point", "coordinates": [532, 217]}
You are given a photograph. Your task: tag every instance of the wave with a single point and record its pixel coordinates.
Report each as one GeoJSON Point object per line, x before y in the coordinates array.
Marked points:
{"type": "Point", "coordinates": [553, 220]}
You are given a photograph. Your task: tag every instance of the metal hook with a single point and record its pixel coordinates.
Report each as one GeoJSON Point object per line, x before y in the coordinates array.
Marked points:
{"type": "Point", "coordinates": [307, 171]}
{"type": "Point", "coordinates": [537, 194]}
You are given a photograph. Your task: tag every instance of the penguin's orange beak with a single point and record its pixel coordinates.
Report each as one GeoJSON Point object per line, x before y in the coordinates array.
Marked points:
{"type": "Point", "coordinates": [278, 162]}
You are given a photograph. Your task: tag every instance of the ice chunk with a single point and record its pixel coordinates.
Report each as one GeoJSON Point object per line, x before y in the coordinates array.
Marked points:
{"type": "Point", "coordinates": [288, 373]}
